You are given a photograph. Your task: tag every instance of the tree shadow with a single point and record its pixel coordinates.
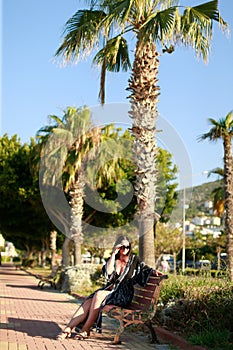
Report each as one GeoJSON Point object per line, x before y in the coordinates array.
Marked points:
{"type": "Point", "coordinates": [30, 286]}
{"type": "Point", "coordinates": [71, 301]}
{"type": "Point", "coordinates": [34, 328]}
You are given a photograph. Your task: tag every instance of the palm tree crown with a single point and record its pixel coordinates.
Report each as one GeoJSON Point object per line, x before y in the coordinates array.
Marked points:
{"type": "Point", "coordinates": [67, 145]}
{"type": "Point", "coordinates": [105, 25]}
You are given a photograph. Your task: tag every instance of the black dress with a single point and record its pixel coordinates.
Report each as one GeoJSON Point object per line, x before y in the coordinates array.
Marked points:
{"type": "Point", "coordinates": [122, 286]}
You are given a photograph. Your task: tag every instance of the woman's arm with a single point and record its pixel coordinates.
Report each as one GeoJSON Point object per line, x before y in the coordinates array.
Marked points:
{"type": "Point", "coordinates": [110, 265]}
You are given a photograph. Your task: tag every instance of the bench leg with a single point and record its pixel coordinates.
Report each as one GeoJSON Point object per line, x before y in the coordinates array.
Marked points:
{"type": "Point", "coordinates": [120, 330]}
{"type": "Point", "coordinates": [154, 338]}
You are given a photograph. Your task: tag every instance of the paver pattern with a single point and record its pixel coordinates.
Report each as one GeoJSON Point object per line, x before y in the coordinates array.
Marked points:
{"type": "Point", "coordinates": [30, 318]}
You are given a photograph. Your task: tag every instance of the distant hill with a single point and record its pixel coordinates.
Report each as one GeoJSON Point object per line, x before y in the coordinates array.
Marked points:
{"type": "Point", "coordinates": [195, 200]}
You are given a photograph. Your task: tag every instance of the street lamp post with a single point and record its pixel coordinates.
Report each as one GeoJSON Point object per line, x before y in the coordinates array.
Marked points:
{"type": "Point", "coordinates": [183, 232]}
{"type": "Point", "coordinates": [183, 224]}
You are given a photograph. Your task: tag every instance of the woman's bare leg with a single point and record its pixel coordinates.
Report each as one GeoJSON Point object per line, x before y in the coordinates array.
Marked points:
{"type": "Point", "coordinates": [97, 300]}
{"type": "Point", "coordinates": [81, 314]}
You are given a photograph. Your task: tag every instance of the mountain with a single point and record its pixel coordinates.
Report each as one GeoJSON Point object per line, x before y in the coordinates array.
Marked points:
{"type": "Point", "coordinates": [195, 199]}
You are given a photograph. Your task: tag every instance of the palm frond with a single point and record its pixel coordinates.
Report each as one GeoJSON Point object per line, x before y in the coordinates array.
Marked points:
{"type": "Point", "coordinates": [216, 171]}
{"type": "Point", "coordinates": [159, 25]}
{"type": "Point", "coordinates": [197, 26]}
{"type": "Point", "coordinates": [210, 10]}
{"type": "Point", "coordinates": [221, 128]}
{"type": "Point", "coordinates": [82, 33]}
{"type": "Point", "coordinates": [119, 11]}
{"type": "Point", "coordinates": [229, 121]}
{"type": "Point", "coordinates": [115, 55]}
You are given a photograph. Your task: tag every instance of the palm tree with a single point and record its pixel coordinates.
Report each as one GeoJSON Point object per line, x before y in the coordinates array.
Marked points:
{"type": "Point", "coordinates": [67, 144]}
{"type": "Point", "coordinates": [223, 129]}
{"type": "Point", "coordinates": [105, 27]}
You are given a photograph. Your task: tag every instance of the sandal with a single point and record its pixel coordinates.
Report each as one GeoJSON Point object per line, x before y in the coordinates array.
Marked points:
{"type": "Point", "coordinates": [82, 335]}
{"type": "Point", "coordinates": [66, 333]}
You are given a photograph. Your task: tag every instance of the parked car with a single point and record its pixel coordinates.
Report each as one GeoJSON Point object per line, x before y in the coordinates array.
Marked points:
{"type": "Point", "coordinates": [203, 265]}
{"type": "Point", "coordinates": [188, 264]}
{"type": "Point", "coordinates": [223, 262]}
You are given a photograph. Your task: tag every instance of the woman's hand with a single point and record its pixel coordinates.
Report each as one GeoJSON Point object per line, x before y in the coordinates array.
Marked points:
{"type": "Point", "coordinates": [111, 261]}
{"type": "Point", "coordinates": [157, 273]}
{"type": "Point", "coordinates": [116, 249]}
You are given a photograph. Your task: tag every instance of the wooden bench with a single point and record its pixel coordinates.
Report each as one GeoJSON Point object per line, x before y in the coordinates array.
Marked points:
{"type": "Point", "coordinates": [141, 310]}
{"type": "Point", "coordinates": [51, 279]}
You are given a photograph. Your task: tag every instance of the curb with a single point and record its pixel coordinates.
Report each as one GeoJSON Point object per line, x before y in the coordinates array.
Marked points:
{"type": "Point", "coordinates": [176, 340]}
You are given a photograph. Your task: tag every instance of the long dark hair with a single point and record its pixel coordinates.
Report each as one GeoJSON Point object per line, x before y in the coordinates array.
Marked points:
{"type": "Point", "coordinates": [118, 241]}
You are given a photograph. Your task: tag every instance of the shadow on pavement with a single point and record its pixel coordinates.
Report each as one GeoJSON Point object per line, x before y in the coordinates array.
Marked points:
{"type": "Point", "coordinates": [34, 328]}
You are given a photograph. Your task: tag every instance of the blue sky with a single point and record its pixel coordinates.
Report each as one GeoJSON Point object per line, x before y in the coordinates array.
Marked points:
{"type": "Point", "coordinates": [34, 86]}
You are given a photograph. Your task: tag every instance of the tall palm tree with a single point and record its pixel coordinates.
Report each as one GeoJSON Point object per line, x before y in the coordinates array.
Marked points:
{"type": "Point", "coordinates": [223, 129]}
{"type": "Point", "coordinates": [105, 27]}
{"type": "Point", "coordinates": [67, 144]}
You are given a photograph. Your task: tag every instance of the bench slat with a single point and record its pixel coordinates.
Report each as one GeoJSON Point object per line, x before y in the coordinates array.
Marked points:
{"type": "Point", "coordinates": [142, 302]}
{"type": "Point", "coordinates": [148, 287]}
{"type": "Point", "coordinates": [145, 293]}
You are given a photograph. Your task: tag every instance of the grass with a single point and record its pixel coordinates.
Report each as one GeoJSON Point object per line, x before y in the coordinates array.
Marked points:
{"type": "Point", "coordinates": [43, 271]}
{"type": "Point", "coordinates": [219, 340]}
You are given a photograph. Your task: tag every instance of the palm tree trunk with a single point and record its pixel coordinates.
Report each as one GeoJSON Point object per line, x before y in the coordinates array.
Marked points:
{"type": "Point", "coordinates": [228, 190]}
{"type": "Point", "coordinates": [53, 247]}
{"type": "Point", "coordinates": [66, 252]}
{"type": "Point", "coordinates": [76, 203]}
{"type": "Point", "coordinates": [144, 98]}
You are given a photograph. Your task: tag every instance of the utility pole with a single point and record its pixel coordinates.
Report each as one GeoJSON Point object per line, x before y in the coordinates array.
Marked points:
{"type": "Point", "coordinates": [183, 232]}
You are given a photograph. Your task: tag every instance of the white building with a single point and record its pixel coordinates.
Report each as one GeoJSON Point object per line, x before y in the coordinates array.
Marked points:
{"type": "Point", "coordinates": [199, 221]}
{"type": "Point", "coordinates": [208, 204]}
{"type": "Point", "coordinates": [215, 221]}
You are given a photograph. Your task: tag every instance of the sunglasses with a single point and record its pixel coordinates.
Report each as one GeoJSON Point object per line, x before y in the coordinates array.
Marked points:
{"type": "Point", "coordinates": [125, 247]}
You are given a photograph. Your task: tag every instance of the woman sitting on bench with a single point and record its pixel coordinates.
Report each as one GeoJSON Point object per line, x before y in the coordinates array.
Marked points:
{"type": "Point", "coordinates": [122, 271]}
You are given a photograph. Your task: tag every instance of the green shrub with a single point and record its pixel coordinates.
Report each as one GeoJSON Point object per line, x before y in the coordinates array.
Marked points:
{"type": "Point", "coordinates": [219, 340]}
{"type": "Point", "coordinates": [97, 277]}
{"type": "Point", "coordinates": [16, 259]}
{"type": "Point", "coordinates": [28, 262]}
{"type": "Point", "coordinates": [193, 305]}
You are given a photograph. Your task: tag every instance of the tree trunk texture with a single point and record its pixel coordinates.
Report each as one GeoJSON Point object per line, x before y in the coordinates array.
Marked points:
{"type": "Point", "coordinates": [144, 99]}
{"type": "Point", "coordinates": [66, 252]}
{"type": "Point", "coordinates": [76, 203]}
{"type": "Point", "coordinates": [228, 190]}
{"type": "Point", "coordinates": [53, 247]}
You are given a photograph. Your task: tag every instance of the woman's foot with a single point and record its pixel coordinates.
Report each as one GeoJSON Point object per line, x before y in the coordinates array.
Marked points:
{"type": "Point", "coordinates": [82, 335]}
{"type": "Point", "coordinates": [66, 333]}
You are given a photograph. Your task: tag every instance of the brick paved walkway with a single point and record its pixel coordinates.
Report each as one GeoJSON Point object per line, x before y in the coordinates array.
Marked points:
{"type": "Point", "coordinates": [30, 318]}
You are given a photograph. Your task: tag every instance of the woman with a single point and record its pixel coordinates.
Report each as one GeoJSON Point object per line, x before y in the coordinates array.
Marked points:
{"type": "Point", "coordinates": [122, 270]}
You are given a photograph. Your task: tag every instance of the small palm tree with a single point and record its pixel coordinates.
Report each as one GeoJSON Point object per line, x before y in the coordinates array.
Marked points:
{"type": "Point", "coordinates": [218, 193]}
{"type": "Point", "coordinates": [223, 129]}
{"type": "Point", "coordinates": [71, 141]}
{"type": "Point", "coordinates": [105, 27]}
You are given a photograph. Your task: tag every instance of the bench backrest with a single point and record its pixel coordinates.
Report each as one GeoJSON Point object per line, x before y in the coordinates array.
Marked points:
{"type": "Point", "coordinates": [147, 297]}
